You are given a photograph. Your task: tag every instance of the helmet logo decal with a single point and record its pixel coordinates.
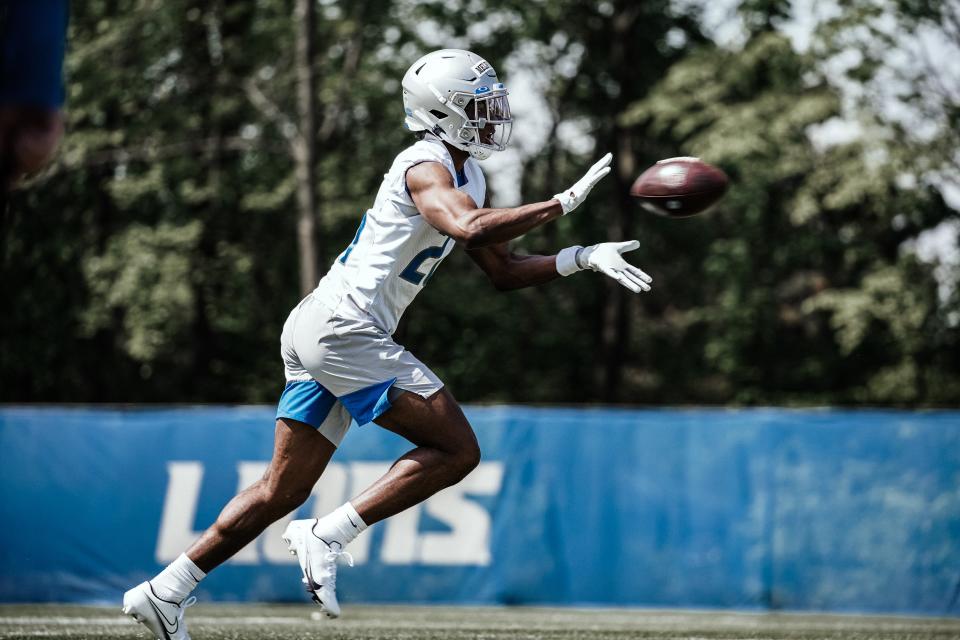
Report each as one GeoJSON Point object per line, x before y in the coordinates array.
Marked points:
{"type": "Point", "coordinates": [480, 67]}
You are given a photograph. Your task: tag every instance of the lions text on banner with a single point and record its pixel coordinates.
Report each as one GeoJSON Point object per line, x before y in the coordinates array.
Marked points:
{"type": "Point", "coordinates": [827, 510]}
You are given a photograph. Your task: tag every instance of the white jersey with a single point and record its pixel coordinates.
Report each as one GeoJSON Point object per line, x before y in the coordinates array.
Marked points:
{"type": "Point", "coordinates": [395, 250]}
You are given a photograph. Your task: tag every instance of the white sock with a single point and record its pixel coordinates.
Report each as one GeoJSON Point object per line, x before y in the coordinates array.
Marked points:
{"type": "Point", "coordinates": [175, 583]}
{"type": "Point", "coordinates": [341, 526]}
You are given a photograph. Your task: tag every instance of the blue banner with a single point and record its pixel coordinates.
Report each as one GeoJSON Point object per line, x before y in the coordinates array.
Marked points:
{"type": "Point", "coordinates": [826, 510]}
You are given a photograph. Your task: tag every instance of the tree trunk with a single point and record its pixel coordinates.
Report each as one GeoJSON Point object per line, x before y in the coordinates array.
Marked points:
{"type": "Point", "coordinates": [615, 331]}
{"type": "Point", "coordinates": [305, 145]}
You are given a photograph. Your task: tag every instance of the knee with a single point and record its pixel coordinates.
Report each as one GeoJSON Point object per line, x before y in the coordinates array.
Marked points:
{"type": "Point", "coordinates": [463, 461]}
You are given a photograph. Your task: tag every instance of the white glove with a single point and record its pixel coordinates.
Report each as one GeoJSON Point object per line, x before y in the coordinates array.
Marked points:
{"type": "Point", "coordinates": [575, 195]}
{"type": "Point", "coordinates": [605, 258]}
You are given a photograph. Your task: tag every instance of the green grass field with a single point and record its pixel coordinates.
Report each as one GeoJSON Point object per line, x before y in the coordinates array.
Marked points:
{"type": "Point", "coordinates": [290, 622]}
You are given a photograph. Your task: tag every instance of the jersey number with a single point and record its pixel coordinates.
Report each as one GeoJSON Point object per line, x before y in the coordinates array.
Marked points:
{"type": "Point", "coordinates": [412, 272]}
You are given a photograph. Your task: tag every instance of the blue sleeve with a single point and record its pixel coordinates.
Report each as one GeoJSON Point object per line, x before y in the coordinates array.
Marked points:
{"type": "Point", "coordinates": [33, 36]}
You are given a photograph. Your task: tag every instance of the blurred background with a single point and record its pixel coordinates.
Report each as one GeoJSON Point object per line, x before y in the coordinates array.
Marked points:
{"type": "Point", "coordinates": [212, 170]}
{"type": "Point", "coordinates": [219, 156]}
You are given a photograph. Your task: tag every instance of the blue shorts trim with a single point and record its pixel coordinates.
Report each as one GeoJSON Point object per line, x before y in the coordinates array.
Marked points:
{"type": "Point", "coordinates": [32, 44]}
{"type": "Point", "coordinates": [307, 401]}
{"type": "Point", "coordinates": [369, 403]}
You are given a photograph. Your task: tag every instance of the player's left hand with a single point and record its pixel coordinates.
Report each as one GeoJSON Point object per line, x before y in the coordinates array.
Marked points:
{"type": "Point", "coordinates": [605, 258]}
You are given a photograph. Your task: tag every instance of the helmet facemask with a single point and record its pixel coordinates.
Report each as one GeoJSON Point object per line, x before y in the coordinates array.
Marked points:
{"type": "Point", "coordinates": [488, 121]}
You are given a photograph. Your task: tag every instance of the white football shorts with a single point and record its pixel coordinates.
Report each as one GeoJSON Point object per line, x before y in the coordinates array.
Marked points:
{"type": "Point", "coordinates": [338, 367]}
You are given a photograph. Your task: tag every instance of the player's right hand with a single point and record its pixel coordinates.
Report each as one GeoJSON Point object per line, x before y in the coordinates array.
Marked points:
{"type": "Point", "coordinates": [575, 195]}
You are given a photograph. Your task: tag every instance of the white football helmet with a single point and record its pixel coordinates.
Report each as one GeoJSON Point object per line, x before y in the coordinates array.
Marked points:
{"type": "Point", "coordinates": [456, 96]}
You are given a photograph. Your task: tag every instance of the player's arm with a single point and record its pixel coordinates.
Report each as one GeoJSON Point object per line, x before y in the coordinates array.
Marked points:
{"type": "Point", "coordinates": [455, 214]}
{"type": "Point", "coordinates": [508, 270]}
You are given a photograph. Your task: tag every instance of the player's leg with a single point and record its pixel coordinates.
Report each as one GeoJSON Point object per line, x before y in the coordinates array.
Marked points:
{"type": "Point", "coordinates": [446, 451]}
{"type": "Point", "coordinates": [310, 425]}
{"type": "Point", "coordinates": [300, 455]}
{"type": "Point", "coordinates": [376, 380]}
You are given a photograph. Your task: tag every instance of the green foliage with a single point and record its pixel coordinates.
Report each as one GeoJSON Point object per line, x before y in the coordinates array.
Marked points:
{"type": "Point", "coordinates": [801, 295]}
{"type": "Point", "coordinates": [144, 276]}
{"type": "Point", "coordinates": [156, 261]}
{"type": "Point", "coordinates": [898, 53]}
{"type": "Point", "coordinates": [762, 16]}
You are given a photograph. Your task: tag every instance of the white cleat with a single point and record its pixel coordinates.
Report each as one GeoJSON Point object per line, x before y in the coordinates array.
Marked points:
{"type": "Point", "coordinates": [318, 561]}
{"type": "Point", "coordinates": [162, 617]}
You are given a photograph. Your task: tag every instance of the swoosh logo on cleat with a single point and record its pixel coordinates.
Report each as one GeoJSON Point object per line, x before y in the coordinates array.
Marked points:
{"type": "Point", "coordinates": [311, 584]}
{"type": "Point", "coordinates": [163, 619]}
{"type": "Point", "coordinates": [164, 623]}
{"type": "Point", "coordinates": [308, 574]}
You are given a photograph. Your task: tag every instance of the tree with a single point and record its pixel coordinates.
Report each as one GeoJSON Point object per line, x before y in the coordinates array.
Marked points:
{"type": "Point", "coordinates": [158, 259]}
{"type": "Point", "coordinates": [794, 274]}
{"type": "Point", "coordinates": [895, 55]}
{"type": "Point", "coordinates": [168, 154]}
{"type": "Point", "coordinates": [305, 145]}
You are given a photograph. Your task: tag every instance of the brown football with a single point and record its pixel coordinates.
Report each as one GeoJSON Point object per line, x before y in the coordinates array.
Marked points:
{"type": "Point", "coordinates": [680, 187]}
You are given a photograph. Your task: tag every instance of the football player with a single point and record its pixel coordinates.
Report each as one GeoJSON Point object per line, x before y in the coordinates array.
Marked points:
{"type": "Point", "coordinates": [340, 359]}
{"type": "Point", "coordinates": [32, 43]}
